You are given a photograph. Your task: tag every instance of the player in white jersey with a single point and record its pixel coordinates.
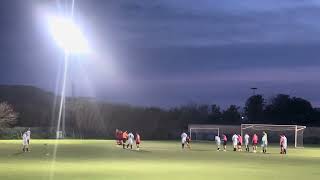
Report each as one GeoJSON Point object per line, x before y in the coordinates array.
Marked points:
{"type": "Point", "coordinates": [218, 142]}
{"type": "Point", "coordinates": [183, 139]}
{"type": "Point", "coordinates": [130, 140]}
{"type": "Point", "coordinates": [25, 144]}
{"type": "Point", "coordinates": [246, 141]}
{"type": "Point", "coordinates": [264, 142]}
{"type": "Point", "coordinates": [283, 144]}
{"type": "Point", "coordinates": [235, 142]}
{"type": "Point", "coordinates": [28, 136]}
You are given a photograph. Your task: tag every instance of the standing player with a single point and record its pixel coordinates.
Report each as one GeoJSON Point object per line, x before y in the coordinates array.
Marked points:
{"type": "Point", "coordinates": [240, 140]}
{"type": "Point", "coordinates": [183, 139]}
{"type": "Point", "coordinates": [218, 142]}
{"type": "Point", "coordinates": [254, 142]}
{"type": "Point", "coordinates": [235, 142]}
{"type": "Point", "coordinates": [130, 140]}
{"type": "Point", "coordinates": [28, 136]}
{"type": "Point", "coordinates": [188, 141]}
{"type": "Point", "coordinates": [246, 141]}
{"type": "Point", "coordinates": [264, 142]}
{"type": "Point", "coordinates": [25, 145]}
{"type": "Point", "coordinates": [124, 139]}
{"type": "Point", "coordinates": [283, 144]}
{"type": "Point", "coordinates": [118, 137]}
{"type": "Point", "coordinates": [138, 141]}
{"type": "Point", "coordinates": [225, 140]}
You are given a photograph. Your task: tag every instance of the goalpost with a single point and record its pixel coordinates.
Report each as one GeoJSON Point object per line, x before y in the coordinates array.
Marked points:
{"type": "Point", "coordinates": [294, 133]}
{"type": "Point", "coordinates": [203, 132]}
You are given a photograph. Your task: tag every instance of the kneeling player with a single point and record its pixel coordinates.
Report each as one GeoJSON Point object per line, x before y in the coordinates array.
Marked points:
{"type": "Point", "coordinates": [218, 142]}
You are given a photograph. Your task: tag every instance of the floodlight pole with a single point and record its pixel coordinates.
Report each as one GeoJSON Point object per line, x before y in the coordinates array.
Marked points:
{"type": "Point", "coordinates": [62, 107]}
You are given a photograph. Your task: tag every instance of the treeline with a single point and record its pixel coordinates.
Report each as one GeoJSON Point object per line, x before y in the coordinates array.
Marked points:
{"type": "Point", "coordinates": [89, 118]}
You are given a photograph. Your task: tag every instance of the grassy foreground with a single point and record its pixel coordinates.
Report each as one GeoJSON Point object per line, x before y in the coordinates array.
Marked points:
{"type": "Point", "coordinates": [99, 159]}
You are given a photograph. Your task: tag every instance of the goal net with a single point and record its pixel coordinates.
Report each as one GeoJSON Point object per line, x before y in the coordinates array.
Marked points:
{"type": "Point", "coordinates": [203, 133]}
{"type": "Point", "coordinates": [294, 133]}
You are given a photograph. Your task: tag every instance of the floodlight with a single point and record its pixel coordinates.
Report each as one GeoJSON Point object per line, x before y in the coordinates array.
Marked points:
{"type": "Point", "coordinates": [67, 35]}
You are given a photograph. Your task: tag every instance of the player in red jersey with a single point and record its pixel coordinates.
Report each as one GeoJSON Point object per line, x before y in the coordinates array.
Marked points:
{"type": "Point", "coordinates": [254, 142]}
{"type": "Point", "coordinates": [118, 137]}
{"type": "Point", "coordinates": [188, 140]}
{"type": "Point", "coordinates": [138, 141]}
{"type": "Point", "coordinates": [124, 139]}
{"type": "Point", "coordinates": [225, 140]}
{"type": "Point", "coordinates": [240, 142]}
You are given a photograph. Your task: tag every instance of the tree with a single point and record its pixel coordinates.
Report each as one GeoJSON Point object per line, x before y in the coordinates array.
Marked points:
{"type": "Point", "coordinates": [286, 110]}
{"type": "Point", "coordinates": [231, 115]}
{"type": "Point", "coordinates": [8, 117]}
{"type": "Point", "coordinates": [254, 108]}
{"type": "Point", "coordinates": [215, 114]}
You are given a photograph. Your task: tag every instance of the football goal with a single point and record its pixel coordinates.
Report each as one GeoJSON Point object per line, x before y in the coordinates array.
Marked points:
{"type": "Point", "coordinates": [203, 132]}
{"type": "Point", "coordinates": [294, 133]}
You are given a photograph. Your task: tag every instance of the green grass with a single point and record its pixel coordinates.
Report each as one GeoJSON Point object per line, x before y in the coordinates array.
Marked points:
{"type": "Point", "coordinates": [157, 160]}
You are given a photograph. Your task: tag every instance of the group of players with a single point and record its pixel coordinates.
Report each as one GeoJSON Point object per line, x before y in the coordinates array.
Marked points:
{"type": "Point", "coordinates": [127, 139]}
{"type": "Point", "coordinates": [237, 142]}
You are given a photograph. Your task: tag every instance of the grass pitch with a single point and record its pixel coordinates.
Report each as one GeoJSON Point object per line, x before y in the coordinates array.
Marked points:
{"type": "Point", "coordinates": [157, 160]}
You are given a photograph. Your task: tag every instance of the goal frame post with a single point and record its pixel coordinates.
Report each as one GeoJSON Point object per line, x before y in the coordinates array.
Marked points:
{"type": "Point", "coordinates": [295, 128]}
{"type": "Point", "coordinates": [203, 128]}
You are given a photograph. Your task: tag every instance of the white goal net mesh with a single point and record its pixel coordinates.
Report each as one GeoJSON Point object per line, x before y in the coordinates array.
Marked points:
{"type": "Point", "coordinates": [203, 133]}
{"type": "Point", "coordinates": [294, 133]}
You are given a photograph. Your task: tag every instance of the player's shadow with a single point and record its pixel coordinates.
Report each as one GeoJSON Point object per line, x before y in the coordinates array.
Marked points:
{"type": "Point", "coordinates": [17, 153]}
{"type": "Point", "coordinates": [141, 151]}
{"type": "Point", "coordinates": [200, 150]}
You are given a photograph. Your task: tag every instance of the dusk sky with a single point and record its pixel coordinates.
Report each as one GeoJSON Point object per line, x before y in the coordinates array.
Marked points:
{"type": "Point", "coordinates": [169, 52]}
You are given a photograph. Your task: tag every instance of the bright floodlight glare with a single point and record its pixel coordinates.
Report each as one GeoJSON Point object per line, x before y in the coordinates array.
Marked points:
{"type": "Point", "coordinates": [67, 35]}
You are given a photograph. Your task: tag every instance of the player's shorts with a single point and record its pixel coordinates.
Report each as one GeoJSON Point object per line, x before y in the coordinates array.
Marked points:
{"type": "Point", "coordinates": [137, 142]}
{"type": "Point", "coordinates": [224, 143]}
{"type": "Point", "coordinates": [264, 145]}
{"type": "Point", "coordinates": [130, 141]}
{"type": "Point", "coordinates": [239, 144]}
{"type": "Point", "coordinates": [124, 140]}
{"type": "Point", "coordinates": [254, 143]}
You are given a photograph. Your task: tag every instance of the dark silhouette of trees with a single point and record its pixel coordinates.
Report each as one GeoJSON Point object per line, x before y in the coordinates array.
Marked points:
{"type": "Point", "coordinates": [215, 115]}
{"type": "Point", "coordinates": [286, 110]}
{"type": "Point", "coordinates": [89, 118]}
{"type": "Point", "coordinates": [254, 109]}
{"type": "Point", "coordinates": [232, 115]}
